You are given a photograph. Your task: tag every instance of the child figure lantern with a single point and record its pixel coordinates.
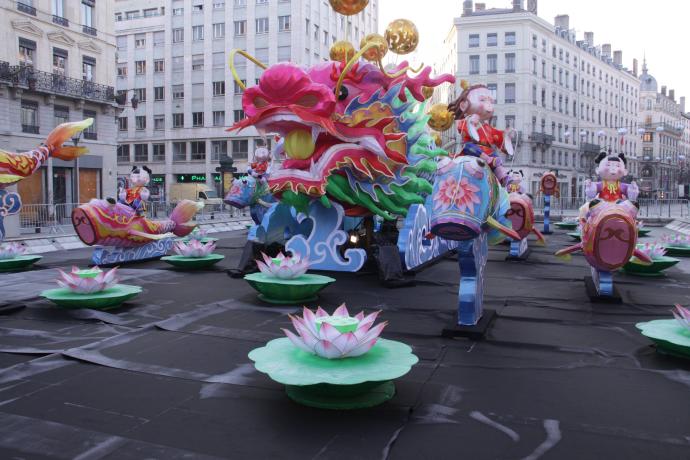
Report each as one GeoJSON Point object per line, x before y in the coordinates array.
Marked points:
{"type": "Point", "coordinates": [611, 169]}
{"type": "Point", "coordinates": [136, 195]}
{"type": "Point", "coordinates": [548, 186]}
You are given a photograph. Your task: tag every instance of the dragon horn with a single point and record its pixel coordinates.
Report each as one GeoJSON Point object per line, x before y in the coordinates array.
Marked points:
{"type": "Point", "coordinates": [231, 62]}
{"type": "Point", "coordinates": [61, 134]}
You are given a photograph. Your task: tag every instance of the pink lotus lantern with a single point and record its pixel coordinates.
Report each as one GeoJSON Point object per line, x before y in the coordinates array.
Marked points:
{"type": "Point", "coordinates": [677, 240]}
{"type": "Point", "coordinates": [194, 248]}
{"type": "Point", "coordinates": [87, 281]}
{"type": "Point", "coordinates": [654, 251]}
{"type": "Point", "coordinates": [11, 250]}
{"type": "Point", "coordinates": [198, 234]}
{"type": "Point", "coordinates": [682, 315]}
{"type": "Point", "coordinates": [282, 266]}
{"type": "Point", "coordinates": [335, 336]}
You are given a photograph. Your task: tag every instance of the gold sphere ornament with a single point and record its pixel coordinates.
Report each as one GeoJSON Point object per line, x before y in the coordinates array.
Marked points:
{"type": "Point", "coordinates": [441, 118]}
{"type": "Point", "coordinates": [427, 92]}
{"type": "Point", "coordinates": [348, 7]}
{"type": "Point", "coordinates": [342, 51]}
{"type": "Point", "coordinates": [402, 36]}
{"type": "Point", "coordinates": [436, 136]}
{"type": "Point", "coordinates": [378, 52]}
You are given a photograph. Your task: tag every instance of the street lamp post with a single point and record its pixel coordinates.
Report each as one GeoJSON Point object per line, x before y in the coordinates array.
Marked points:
{"type": "Point", "coordinates": [75, 141]}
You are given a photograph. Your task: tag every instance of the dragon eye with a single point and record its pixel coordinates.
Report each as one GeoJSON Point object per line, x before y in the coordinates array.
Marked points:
{"type": "Point", "coordinates": [481, 163]}
{"type": "Point", "coordinates": [308, 100]}
{"type": "Point", "coordinates": [260, 102]}
{"type": "Point", "coordinates": [343, 93]}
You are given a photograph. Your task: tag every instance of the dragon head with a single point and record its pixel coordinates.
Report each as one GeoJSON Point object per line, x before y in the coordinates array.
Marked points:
{"type": "Point", "coordinates": [353, 143]}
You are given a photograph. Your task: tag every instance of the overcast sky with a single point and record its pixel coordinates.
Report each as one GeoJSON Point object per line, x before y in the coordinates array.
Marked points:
{"type": "Point", "coordinates": [658, 28]}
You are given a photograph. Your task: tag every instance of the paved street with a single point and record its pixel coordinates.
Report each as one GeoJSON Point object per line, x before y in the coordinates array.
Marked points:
{"type": "Point", "coordinates": [167, 375]}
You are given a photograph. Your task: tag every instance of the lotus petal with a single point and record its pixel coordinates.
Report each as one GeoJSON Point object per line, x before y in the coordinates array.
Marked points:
{"type": "Point", "coordinates": [341, 311]}
{"type": "Point", "coordinates": [320, 312]}
{"type": "Point", "coordinates": [263, 268]}
{"type": "Point", "coordinates": [326, 349]}
{"type": "Point", "coordinates": [373, 332]}
{"type": "Point", "coordinates": [345, 342]}
{"type": "Point", "coordinates": [328, 332]}
{"type": "Point", "coordinates": [362, 348]}
{"type": "Point", "coordinates": [297, 341]}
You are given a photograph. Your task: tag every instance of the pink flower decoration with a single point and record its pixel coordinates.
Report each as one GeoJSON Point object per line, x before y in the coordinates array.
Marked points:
{"type": "Point", "coordinates": [79, 285]}
{"type": "Point", "coordinates": [348, 338]}
{"type": "Point", "coordinates": [461, 194]}
{"type": "Point", "coordinates": [11, 250]}
{"type": "Point", "coordinates": [653, 250]}
{"type": "Point", "coordinates": [194, 248]}
{"type": "Point", "coordinates": [198, 234]}
{"type": "Point", "coordinates": [677, 240]}
{"type": "Point", "coordinates": [282, 266]}
{"type": "Point", "coordinates": [682, 315]}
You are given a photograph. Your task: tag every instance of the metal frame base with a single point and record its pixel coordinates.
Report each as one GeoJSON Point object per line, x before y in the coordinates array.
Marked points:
{"type": "Point", "coordinates": [595, 296]}
{"type": "Point", "coordinates": [476, 332]}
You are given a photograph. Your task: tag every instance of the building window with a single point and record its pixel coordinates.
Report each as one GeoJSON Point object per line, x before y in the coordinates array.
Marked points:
{"type": "Point", "coordinates": [177, 63]}
{"type": "Point", "coordinates": [178, 91]}
{"type": "Point", "coordinates": [509, 93]}
{"type": "Point", "coordinates": [159, 38]}
{"type": "Point", "coordinates": [491, 63]}
{"type": "Point", "coordinates": [159, 122]}
{"type": "Point", "coordinates": [240, 2]}
{"type": "Point", "coordinates": [240, 149]}
{"type": "Point", "coordinates": [219, 88]}
{"type": "Point", "coordinates": [510, 121]}
{"type": "Point", "coordinates": [178, 35]}
{"type": "Point", "coordinates": [648, 137]}
{"type": "Point", "coordinates": [197, 62]}
{"type": "Point", "coordinates": [262, 25]}
{"type": "Point", "coordinates": [158, 93]}
{"type": "Point", "coordinates": [27, 51]}
{"type": "Point", "coordinates": [158, 66]}
{"type": "Point", "coordinates": [510, 62]}
{"type": "Point", "coordinates": [88, 68]}
{"type": "Point", "coordinates": [284, 54]}
{"type": "Point", "coordinates": [219, 30]}
{"type": "Point", "coordinates": [29, 115]}
{"type": "Point", "coordinates": [197, 119]}
{"type": "Point", "coordinates": [140, 41]}
{"type": "Point", "coordinates": [493, 89]}
{"type": "Point", "coordinates": [150, 12]}
{"type": "Point", "coordinates": [238, 88]}
{"type": "Point", "coordinates": [123, 153]}
{"type": "Point", "coordinates": [510, 38]}
{"type": "Point", "coordinates": [178, 120]}
{"type": "Point", "coordinates": [219, 5]}
{"type": "Point", "coordinates": [158, 152]}
{"type": "Point", "coordinates": [218, 149]}
{"type": "Point", "coordinates": [141, 153]}
{"type": "Point", "coordinates": [491, 39]}
{"type": "Point", "coordinates": [283, 23]}
{"type": "Point", "coordinates": [140, 67]}
{"type": "Point", "coordinates": [59, 61]}
{"type": "Point", "coordinates": [121, 43]}
{"type": "Point", "coordinates": [122, 69]}
{"type": "Point", "coordinates": [122, 123]}
{"type": "Point", "coordinates": [474, 40]}
{"type": "Point", "coordinates": [177, 11]}
{"type": "Point", "coordinates": [197, 33]}
{"type": "Point", "coordinates": [474, 64]}
{"type": "Point", "coordinates": [238, 115]}
{"type": "Point", "coordinates": [140, 121]}
{"type": "Point", "coordinates": [218, 118]}
{"type": "Point", "coordinates": [198, 8]}
{"type": "Point", "coordinates": [140, 93]}
{"type": "Point", "coordinates": [87, 13]}
{"type": "Point", "coordinates": [198, 150]}
{"type": "Point", "coordinates": [534, 41]}
{"type": "Point", "coordinates": [240, 28]}
{"type": "Point", "coordinates": [179, 151]}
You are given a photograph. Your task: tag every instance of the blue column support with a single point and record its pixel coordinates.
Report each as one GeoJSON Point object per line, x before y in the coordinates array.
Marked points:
{"type": "Point", "coordinates": [603, 282]}
{"type": "Point", "coordinates": [472, 257]}
{"type": "Point", "coordinates": [518, 248]}
{"type": "Point", "coordinates": [547, 212]}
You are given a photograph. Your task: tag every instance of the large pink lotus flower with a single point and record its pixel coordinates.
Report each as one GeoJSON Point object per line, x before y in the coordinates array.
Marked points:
{"type": "Point", "coordinates": [335, 336]}
{"type": "Point", "coordinates": [677, 240]}
{"type": "Point", "coordinates": [194, 248]}
{"type": "Point", "coordinates": [282, 266]}
{"type": "Point", "coordinates": [77, 283]}
{"type": "Point", "coordinates": [462, 195]}
{"type": "Point", "coordinates": [653, 250]}
{"type": "Point", "coordinates": [682, 315]}
{"type": "Point", "coordinates": [11, 250]}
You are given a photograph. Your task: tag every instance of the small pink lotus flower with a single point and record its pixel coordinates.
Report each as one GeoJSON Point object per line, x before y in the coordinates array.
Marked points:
{"type": "Point", "coordinates": [682, 315]}
{"type": "Point", "coordinates": [677, 240]}
{"type": "Point", "coordinates": [570, 220]}
{"type": "Point", "coordinates": [194, 248]}
{"type": "Point", "coordinates": [655, 251]}
{"type": "Point", "coordinates": [335, 336]}
{"type": "Point", "coordinates": [282, 266]}
{"type": "Point", "coordinates": [11, 250]}
{"type": "Point", "coordinates": [84, 281]}
{"type": "Point", "coordinates": [198, 234]}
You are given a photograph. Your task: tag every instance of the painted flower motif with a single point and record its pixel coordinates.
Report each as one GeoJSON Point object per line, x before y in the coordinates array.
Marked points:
{"type": "Point", "coordinates": [335, 336]}
{"type": "Point", "coordinates": [77, 282]}
{"type": "Point", "coordinates": [194, 248]}
{"type": "Point", "coordinates": [677, 240]}
{"type": "Point", "coordinates": [682, 315]}
{"type": "Point", "coordinates": [282, 266]}
{"type": "Point", "coordinates": [655, 251]}
{"type": "Point", "coordinates": [11, 250]}
{"type": "Point", "coordinates": [462, 195]}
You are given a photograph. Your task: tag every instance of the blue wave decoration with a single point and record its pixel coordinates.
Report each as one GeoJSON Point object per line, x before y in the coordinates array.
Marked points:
{"type": "Point", "coordinates": [322, 247]}
{"type": "Point", "coordinates": [278, 225]}
{"type": "Point", "coordinates": [413, 245]}
{"type": "Point", "coordinates": [113, 255]}
{"type": "Point", "coordinates": [10, 203]}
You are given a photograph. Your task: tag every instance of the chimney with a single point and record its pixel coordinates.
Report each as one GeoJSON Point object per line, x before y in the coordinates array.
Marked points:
{"type": "Point", "coordinates": [480, 7]}
{"type": "Point", "coordinates": [467, 8]}
{"type": "Point", "coordinates": [618, 57]}
{"type": "Point", "coordinates": [562, 21]}
{"type": "Point", "coordinates": [663, 90]}
{"type": "Point", "coordinates": [589, 38]}
{"type": "Point", "coordinates": [517, 5]}
{"type": "Point", "coordinates": [635, 67]}
{"type": "Point", "coordinates": [682, 104]}
{"type": "Point", "coordinates": [672, 94]}
{"type": "Point", "coordinates": [606, 50]}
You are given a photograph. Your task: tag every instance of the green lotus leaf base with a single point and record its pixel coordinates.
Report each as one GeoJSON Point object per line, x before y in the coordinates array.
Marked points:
{"type": "Point", "coordinates": [566, 225]}
{"type": "Point", "coordinates": [193, 263]}
{"type": "Point", "coordinates": [575, 235]}
{"type": "Point", "coordinates": [642, 232]}
{"type": "Point", "coordinates": [103, 300]}
{"type": "Point", "coordinates": [292, 291]}
{"type": "Point", "coordinates": [348, 383]}
{"type": "Point", "coordinates": [678, 251]}
{"type": "Point", "coordinates": [17, 263]}
{"type": "Point", "coordinates": [654, 270]}
{"type": "Point", "coordinates": [668, 335]}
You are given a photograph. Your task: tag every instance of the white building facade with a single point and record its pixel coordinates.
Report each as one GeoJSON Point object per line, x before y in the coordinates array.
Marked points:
{"type": "Point", "coordinates": [565, 97]}
{"type": "Point", "coordinates": [173, 55]}
{"type": "Point", "coordinates": [58, 65]}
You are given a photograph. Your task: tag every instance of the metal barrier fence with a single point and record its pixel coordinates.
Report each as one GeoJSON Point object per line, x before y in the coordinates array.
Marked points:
{"type": "Point", "coordinates": [649, 207]}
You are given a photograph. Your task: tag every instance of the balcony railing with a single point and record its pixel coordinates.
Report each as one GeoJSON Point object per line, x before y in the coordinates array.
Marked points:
{"type": "Point", "coordinates": [33, 129]}
{"type": "Point", "coordinates": [91, 135]}
{"type": "Point", "coordinates": [89, 30]}
{"type": "Point", "coordinates": [24, 8]}
{"type": "Point", "coordinates": [37, 80]}
{"type": "Point", "coordinates": [61, 21]}
{"type": "Point", "coordinates": [542, 138]}
{"type": "Point", "coordinates": [590, 148]}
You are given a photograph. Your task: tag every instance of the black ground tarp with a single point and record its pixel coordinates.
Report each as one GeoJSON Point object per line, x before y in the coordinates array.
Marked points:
{"type": "Point", "coordinates": [167, 375]}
